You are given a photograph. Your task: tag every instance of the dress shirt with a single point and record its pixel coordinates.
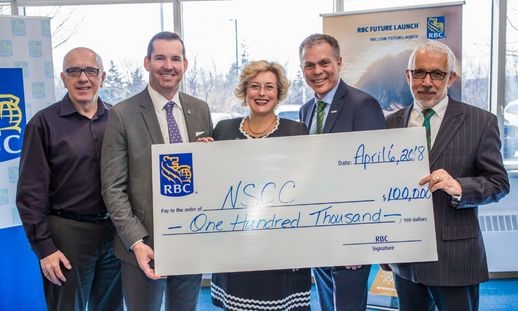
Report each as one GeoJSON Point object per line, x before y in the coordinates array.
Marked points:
{"type": "Point", "coordinates": [417, 118]}
{"type": "Point", "coordinates": [60, 169]}
{"type": "Point", "coordinates": [159, 102]}
{"type": "Point", "coordinates": [328, 99]}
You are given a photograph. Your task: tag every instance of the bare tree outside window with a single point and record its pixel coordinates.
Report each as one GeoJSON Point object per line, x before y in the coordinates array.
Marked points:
{"type": "Point", "coordinates": [510, 148]}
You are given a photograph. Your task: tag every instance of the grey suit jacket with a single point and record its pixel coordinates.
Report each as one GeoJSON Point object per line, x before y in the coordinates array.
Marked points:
{"type": "Point", "coordinates": [468, 148]}
{"type": "Point", "coordinates": [126, 164]}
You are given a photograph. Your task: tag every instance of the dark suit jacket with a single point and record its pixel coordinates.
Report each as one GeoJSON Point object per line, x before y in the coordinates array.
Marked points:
{"type": "Point", "coordinates": [126, 164]}
{"type": "Point", "coordinates": [351, 110]}
{"type": "Point", "coordinates": [468, 148]}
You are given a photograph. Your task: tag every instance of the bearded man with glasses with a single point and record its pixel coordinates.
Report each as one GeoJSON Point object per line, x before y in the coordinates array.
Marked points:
{"type": "Point", "coordinates": [59, 193]}
{"type": "Point", "coordinates": [466, 171]}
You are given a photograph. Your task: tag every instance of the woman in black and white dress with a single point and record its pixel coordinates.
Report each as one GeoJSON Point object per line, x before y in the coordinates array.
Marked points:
{"type": "Point", "coordinates": [262, 85]}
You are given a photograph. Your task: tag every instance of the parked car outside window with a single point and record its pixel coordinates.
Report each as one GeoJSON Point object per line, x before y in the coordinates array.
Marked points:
{"type": "Point", "coordinates": [289, 111]}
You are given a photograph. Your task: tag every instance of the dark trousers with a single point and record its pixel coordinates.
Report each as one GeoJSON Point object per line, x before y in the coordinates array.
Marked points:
{"type": "Point", "coordinates": [95, 277]}
{"type": "Point", "coordinates": [341, 289]}
{"type": "Point", "coordinates": [182, 292]}
{"type": "Point", "coordinates": [419, 297]}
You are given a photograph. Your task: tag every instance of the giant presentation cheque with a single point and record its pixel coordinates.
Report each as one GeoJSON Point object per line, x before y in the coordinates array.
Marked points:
{"type": "Point", "coordinates": [292, 202]}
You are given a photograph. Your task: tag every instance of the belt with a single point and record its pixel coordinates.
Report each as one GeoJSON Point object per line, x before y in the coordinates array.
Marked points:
{"type": "Point", "coordinates": [83, 218]}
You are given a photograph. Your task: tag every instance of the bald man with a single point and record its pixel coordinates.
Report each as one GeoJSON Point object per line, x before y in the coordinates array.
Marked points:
{"type": "Point", "coordinates": [59, 193]}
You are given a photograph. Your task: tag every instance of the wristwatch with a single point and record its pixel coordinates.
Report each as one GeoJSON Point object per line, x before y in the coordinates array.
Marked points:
{"type": "Point", "coordinates": [455, 200]}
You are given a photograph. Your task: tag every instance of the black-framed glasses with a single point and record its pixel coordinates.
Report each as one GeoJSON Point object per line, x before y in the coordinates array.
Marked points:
{"type": "Point", "coordinates": [434, 75]}
{"type": "Point", "coordinates": [76, 72]}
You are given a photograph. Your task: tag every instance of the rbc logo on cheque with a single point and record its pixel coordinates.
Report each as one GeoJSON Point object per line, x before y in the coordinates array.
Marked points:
{"type": "Point", "coordinates": [176, 178]}
{"type": "Point", "coordinates": [435, 29]}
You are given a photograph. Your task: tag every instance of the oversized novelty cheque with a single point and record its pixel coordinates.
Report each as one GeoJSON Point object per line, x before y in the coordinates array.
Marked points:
{"type": "Point", "coordinates": [292, 202]}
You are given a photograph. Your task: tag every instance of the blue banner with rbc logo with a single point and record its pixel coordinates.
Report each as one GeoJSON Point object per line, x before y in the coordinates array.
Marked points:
{"type": "Point", "coordinates": [25, 66]}
{"type": "Point", "coordinates": [12, 113]}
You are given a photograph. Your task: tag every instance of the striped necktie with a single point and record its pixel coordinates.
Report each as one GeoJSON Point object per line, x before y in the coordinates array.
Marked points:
{"type": "Point", "coordinates": [320, 116]}
{"type": "Point", "coordinates": [428, 113]}
{"type": "Point", "coordinates": [174, 132]}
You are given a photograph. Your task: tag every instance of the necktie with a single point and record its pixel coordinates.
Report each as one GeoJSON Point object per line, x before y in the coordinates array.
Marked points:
{"type": "Point", "coordinates": [320, 116]}
{"type": "Point", "coordinates": [428, 113]}
{"type": "Point", "coordinates": [174, 132]}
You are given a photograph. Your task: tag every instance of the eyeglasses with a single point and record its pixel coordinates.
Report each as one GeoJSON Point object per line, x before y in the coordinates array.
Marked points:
{"type": "Point", "coordinates": [76, 72]}
{"type": "Point", "coordinates": [269, 88]}
{"type": "Point", "coordinates": [434, 75]}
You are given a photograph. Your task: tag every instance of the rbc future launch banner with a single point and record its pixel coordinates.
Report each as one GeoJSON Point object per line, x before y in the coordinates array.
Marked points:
{"type": "Point", "coordinates": [375, 48]}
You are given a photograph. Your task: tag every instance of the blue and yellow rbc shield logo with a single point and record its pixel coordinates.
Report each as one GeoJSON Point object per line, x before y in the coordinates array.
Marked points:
{"type": "Point", "coordinates": [35, 49]}
{"type": "Point", "coordinates": [13, 174]}
{"type": "Point", "coordinates": [38, 89]}
{"type": "Point", "coordinates": [24, 66]}
{"type": "Point", "coordinates": [16, 216]}
{"type": "Point", "coordinates": [45, 28]}
{"type": "Point", "coordinates": [18, 27]}
{"type": "Point", "coordinates": [4, 196]}
{"type": "Point", "coordinates": [49, 69]}
{"type": "Point", "coordinates": [10, 121]}
{"type": "Point", "coordinates": [6, 48]}
{"type": "Point", "coordinates": [436, 27]}
{"type": "Point", "coordinates": [28, 111]}
{"type": "Point", "coordinates": [176, 178]}
{"type": "Point", "coordinates": [12, 115]}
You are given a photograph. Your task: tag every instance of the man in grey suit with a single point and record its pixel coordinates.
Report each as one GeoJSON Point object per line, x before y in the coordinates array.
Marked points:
{"type": "Point", "coordinates": [159, 114]}
{"type": "Point", "coordinates": [466, 171]}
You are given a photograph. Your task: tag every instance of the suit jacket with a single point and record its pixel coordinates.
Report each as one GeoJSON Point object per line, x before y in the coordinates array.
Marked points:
{"type": "Point", "coordinates": [351, 110]}
{"type": "Point", "coordinates": [126, 164]}
{"type": "Point", "coordinates": [468, 148]}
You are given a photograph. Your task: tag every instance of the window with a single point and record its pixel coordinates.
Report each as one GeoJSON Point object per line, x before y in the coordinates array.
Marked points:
{"type": "Point", "coordinates": [219, 34]}
{"type": "Point", "coordinates": [118, 33]}
{"type": "Point", "coordinates": [510, 135]}
{"type": "Point", "coordinates": [476, 40]}
{"type": "Point", "coordinates": [5, 8]}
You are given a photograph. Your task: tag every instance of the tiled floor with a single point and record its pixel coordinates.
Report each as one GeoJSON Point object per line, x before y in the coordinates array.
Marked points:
{"type": "Point", "coordinates": [495, 295]}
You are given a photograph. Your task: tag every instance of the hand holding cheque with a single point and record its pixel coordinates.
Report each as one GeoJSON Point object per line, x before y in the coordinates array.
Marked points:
{"type": "Point", "coordinates": [355, 203]}
{"type": "Point", "coordinates": [441, 180]}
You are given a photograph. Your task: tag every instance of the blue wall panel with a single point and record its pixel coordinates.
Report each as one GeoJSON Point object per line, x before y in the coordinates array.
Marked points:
{"type": "Point", "coordinates": [21, 286]}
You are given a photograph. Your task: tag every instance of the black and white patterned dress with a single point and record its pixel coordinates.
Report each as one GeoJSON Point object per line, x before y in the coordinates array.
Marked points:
{"type": "Point", "coordinates": [273, 290]}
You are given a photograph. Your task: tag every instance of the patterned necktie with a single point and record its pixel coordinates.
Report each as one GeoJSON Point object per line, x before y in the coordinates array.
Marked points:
{"type": "Point", "coordinates": [320, 116]}
{"type": "Point", "coordinates": [174, 132]}
{"type": "Point", "coordinates": [428, 113]}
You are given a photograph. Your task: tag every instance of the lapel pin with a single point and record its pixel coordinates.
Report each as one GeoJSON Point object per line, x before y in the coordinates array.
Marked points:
{"type": "Point", "coordinates": [188, 111]}
{"type": "Point", "coordinates": [334, 111]}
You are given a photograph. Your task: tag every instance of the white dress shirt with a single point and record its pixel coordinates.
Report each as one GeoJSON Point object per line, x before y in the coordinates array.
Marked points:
{"type": "Point", "coordinates": [159, 102]}
{"type": "Point", "coordinates": [417, 117]}
{"type": "Point", "coordinates": [328, 99]}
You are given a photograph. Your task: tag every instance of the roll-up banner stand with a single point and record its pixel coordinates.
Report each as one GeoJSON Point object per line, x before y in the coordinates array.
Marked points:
{"type": "Point", "coordinates": [375, 46]}
{"type": "Point", "coordinates": [26, 86]}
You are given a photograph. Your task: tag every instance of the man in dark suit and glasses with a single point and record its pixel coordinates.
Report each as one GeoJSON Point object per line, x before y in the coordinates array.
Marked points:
{"type": "Point", "coordinates": [336, 107]}
{"type": "Point", "coordinates": [466, 171]}
{"type": "Point", "coordinates": [159, 114]}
